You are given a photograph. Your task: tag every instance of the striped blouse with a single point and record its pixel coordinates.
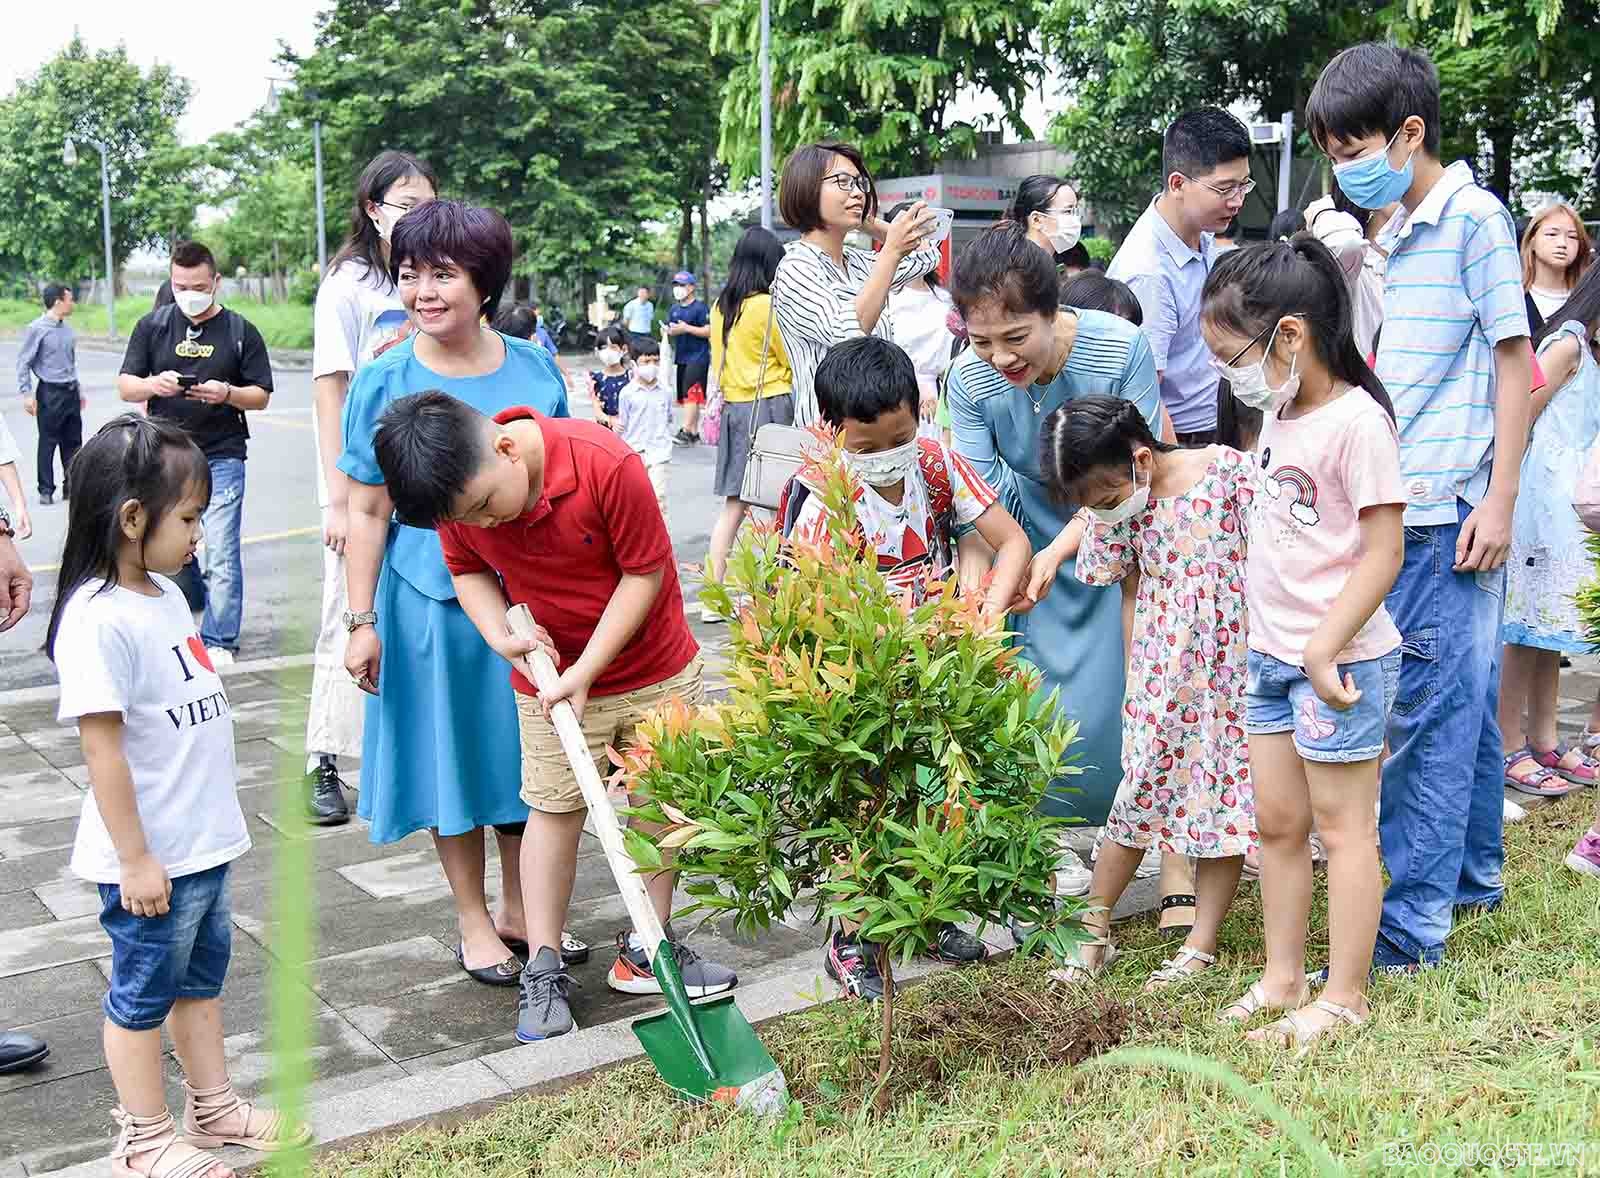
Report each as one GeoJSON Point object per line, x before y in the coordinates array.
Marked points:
{"type": "Point", "coordinates": [816, 308]}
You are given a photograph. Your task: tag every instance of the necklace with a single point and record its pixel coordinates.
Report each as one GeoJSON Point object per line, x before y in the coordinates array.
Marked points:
{"type": "Point", "coordinates": [1038, 403]}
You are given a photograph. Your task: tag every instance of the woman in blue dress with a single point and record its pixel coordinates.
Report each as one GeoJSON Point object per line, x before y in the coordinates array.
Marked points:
{"type": "Point", "coordinates": [440, 751]}
{"type": "Point", "coordinates": [1028, 358]}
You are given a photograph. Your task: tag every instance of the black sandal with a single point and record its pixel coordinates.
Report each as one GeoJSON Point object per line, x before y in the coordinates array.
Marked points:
{"type": "Point", "coordinates": [1181, 924]}
{"type": "Point", "coordinates": [506, 973]}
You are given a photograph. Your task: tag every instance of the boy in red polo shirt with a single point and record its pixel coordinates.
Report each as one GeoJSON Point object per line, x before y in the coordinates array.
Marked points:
{"type": "Point", "coordinates": [559, 515]}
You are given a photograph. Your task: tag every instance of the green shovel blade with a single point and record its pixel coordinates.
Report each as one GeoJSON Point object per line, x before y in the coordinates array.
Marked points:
{"type": "Point", "coordinates": [708, 1051]}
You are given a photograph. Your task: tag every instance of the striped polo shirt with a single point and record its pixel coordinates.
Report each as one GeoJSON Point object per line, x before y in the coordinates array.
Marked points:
{"type": "Point", "coordinates": [1453, 290]}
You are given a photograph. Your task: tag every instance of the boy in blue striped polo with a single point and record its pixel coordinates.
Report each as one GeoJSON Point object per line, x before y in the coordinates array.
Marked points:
{"type": "Point", "coordinates": [1454, 357]}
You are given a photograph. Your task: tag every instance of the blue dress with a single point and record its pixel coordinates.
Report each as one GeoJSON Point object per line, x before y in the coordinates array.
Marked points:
{"type": "Point", "coordinates": [441, 750]}
{"type": "Point", "coordinates": [1073, 636]}
{"type": "Point", "coordinates": [1548, 558]}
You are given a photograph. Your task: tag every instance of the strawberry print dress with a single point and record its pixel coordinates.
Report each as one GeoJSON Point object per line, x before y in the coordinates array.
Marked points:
{"type": "Point", "coordinates": [1185, 760]}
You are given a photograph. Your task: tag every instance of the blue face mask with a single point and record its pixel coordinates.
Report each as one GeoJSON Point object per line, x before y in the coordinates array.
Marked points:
{"type": "Point", "coordinates": [1370, 182]}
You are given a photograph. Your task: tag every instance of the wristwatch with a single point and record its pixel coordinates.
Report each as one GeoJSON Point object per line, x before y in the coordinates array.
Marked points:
{"type": "Point", "coordinates": [367, 617]}
{"type": "Point", "coordinates": [5, 524]}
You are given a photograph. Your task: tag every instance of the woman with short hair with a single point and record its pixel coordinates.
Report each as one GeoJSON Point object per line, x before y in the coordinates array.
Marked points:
{"type": "Point", "coordinates": [441, 750]}
{"type": "Point", "coordinates": [826, 291]}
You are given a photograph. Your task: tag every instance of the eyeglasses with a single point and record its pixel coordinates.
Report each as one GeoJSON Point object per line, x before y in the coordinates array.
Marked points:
{"type": "Point", "coordinates": [1251, 344]}
{"type": "Point", "coordinates": [845, 181]}
{"type": "Point", "coordinates": [1229, 191]}
{"type": "Point", "coordinates": [389, 204]}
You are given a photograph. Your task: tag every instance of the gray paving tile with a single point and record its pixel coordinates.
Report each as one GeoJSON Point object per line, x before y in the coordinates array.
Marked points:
{"type": "Point", "coordinates": [328, 888]}
{"type": "Point", "coordinates": [405, 875]}
{"type": "Point", "coordinates": [440, 1017]}
{"type": "Point", "coordinates": [49, 993]}
{"type": "Point", "coordinates": [50, 1126]}
{"type": "Point", "coordinates": [40, 796]}
{"type": "Point", "coordinates": [75, 1048]}
{"type": "Point", "coordinates": [29, 871]}
{"type": "Point", "coordinates": [383, 971]}
{"type": "Point", "coordinates": [337, 1049]}
{"type": "Point", "coordinates": [56, 743]}
{"type": "Point", "coordinates": [19, 757]}
{"type": "Point", "coordinates": [69, 898]}
{"type": "Point", "coordinates": [59, 942]}
{"type": "Point", "coordinates": [20, 910]}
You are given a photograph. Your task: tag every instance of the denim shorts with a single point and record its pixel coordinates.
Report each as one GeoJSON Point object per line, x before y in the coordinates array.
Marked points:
{"type": "Point", "coordinates": [155, 960]}
{"type": "Point", "coordinates": [1279, 698]}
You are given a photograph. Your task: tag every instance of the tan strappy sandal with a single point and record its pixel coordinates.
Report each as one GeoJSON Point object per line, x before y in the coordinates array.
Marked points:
{"type": "Point", "coordinates": [208, 1106]}
{"type": "Point", "coordinates": [1254, 1001]}
{"type": "Point", "coordinates": [1293, 1030]}
{"type": "Point", "coordinates": [171, 1156]}
{"type": "Point", "coordinates": [1175, 969]}
{"type": "Point", "coordinates": [1077, 970]}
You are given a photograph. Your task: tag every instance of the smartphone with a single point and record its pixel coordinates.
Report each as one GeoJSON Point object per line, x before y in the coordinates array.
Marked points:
{"type": "Point", "coordinates": [944, 218]}
{"type": "Point", "coordinates": [188, 382]}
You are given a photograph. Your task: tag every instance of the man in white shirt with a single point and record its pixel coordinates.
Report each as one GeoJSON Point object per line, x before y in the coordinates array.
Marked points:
{"type": "Point", "coordinates": [639, 314]}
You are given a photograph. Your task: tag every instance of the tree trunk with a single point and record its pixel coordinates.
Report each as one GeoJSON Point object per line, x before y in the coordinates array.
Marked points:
{"type": "Point", "coordinates": [886, 969]}
{"type": "Point", "coordinates": [685, 234]}
{"type": "Point", "coordinates": [1502, 137]}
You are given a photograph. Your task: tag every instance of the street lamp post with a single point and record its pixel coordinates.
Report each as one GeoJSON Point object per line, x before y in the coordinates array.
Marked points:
{"type": "Point", "coordinates": [316, 154]}
{"type": "Point", "coordinates": [69, 156]}
{"type": "Point", "coordinates": [766, 107]}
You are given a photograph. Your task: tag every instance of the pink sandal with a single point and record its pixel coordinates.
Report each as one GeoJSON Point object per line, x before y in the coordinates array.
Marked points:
{"type": "Point", "coordinates": [1585, 772]}
{"type": "Point", "coordinates": [1537, 781]}
{"type": "Point", "coordinates": [173, 1156]}
{"type": "Point", "coordinates": [207, 1106]}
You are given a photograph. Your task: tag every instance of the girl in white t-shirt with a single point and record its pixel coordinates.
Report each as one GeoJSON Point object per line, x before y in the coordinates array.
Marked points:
{"type": "Point", "coordinates": [162, 821]}
{"type": "Point", "coordinates": [1324, 664]}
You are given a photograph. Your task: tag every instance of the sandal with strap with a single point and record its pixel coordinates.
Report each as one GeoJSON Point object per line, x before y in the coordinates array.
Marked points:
{"type": "Point", "coordinates": [1254, 1000]}
{"type": "Point", "coordinates": [1294, 1030]}
{"type": "Point", "coordinates": [170, 1155]}
{"type": "Point", "coordinates": [1537, 781]}
{"type": "Point", "coordinates": [207, 1106]}
{"type": "Point", "coordinates": [1073, 972]}
{"type": "Point", "coordinates": [1176, 969]}
{"type": "Point", "coordinates": [1585, 772]}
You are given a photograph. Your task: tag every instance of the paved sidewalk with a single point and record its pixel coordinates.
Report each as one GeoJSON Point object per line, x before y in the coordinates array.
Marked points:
{"type": "Point", "coordinates": [389, 1002]}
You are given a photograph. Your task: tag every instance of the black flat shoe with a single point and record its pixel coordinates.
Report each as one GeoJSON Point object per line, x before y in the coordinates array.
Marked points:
{"type": "Point", "coordinates": [507, 973]}
{"type": "Point", "coordinates": [19, 1050]}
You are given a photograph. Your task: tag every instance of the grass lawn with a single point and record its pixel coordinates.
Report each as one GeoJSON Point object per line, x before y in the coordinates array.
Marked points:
{"type": "Point", "coordinates": [998, 1073]}
{"type": "Point", "coordinates": [282, 325]}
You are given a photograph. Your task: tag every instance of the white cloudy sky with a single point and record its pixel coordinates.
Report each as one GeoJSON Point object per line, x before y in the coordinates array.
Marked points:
{"type": "Point", "coordinates": [226, 49]}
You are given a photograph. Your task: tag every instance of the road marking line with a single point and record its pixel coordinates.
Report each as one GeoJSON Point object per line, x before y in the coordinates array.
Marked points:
{"type": "Point", "coordinates": [264, 538]}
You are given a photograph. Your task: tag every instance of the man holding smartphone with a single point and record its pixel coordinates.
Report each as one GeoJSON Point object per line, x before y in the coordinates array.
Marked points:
{"type": "Point", "coordinates": [205, 367]}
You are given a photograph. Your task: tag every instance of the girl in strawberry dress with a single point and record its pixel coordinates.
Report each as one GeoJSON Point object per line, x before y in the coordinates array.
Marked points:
{"type": "Point", "coordinates": [1169, 525]}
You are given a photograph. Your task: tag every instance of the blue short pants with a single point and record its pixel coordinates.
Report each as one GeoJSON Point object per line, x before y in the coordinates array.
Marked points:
{"type": "Point", "coordinates": [156, 960]}
{"type": "Point", "coordinates": [1279, 698]}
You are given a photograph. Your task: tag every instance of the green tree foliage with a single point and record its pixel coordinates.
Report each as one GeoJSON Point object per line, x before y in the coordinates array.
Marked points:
{"type": "Point", "coordinates": [52, 226]}
{"type": "Point", "coordinates": [579, 120]}
{"type": "Point", "coordinates": [882, 74]}
{"type": "Point", "coordinates": [876, 761]}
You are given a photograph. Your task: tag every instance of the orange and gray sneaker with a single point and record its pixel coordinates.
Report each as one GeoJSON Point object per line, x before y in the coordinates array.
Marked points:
{"type": "Point", "coordinates": [632, 973]}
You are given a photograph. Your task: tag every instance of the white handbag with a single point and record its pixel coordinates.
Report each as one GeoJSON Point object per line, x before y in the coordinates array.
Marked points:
{"type": "Point", "coordinates": [777, 451]}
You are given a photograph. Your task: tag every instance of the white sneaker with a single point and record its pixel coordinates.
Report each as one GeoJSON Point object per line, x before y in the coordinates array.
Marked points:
{"type": "Point", "coordinates": [709, 615]}
{"type": "Point", "coordinates": [1072, 877]}
{"type": "Point", "coordinates": [220, 657]}
{"type": "Point", "coordinates": [1150, 865]}
{"type": "Point", "coordinates": [1514, 812]}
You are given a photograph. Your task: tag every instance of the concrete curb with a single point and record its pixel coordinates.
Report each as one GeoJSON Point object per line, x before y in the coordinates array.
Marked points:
{"type": "Point", "coordinates": [462, 1091]}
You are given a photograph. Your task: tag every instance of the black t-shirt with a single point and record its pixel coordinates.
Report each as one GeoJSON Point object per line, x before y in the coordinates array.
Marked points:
{"type": "Point", "coordinates": [216, 349]}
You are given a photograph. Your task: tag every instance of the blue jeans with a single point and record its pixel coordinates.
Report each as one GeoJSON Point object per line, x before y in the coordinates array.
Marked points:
{"type": "Point", "coordinates": [156, 960]}
{"type": "Point", "coordinates": [224, 568]}
{"type": "Point", "coordinates": [1440, 815]}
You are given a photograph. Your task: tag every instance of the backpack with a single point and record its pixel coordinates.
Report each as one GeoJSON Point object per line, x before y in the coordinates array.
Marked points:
{"type": "Point", "coordinates": [941, 501]}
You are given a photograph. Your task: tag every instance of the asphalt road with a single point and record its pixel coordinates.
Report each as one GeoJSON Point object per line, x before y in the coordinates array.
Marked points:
{"type": "Point", "coordinates": [282, 534]}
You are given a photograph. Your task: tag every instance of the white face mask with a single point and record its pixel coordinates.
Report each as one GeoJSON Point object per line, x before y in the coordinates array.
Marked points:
{"type": "Point", "coordinates": [886, 467]}
{"type": "Point", "coordinates": [646, 373]}
{"type": "Point", "coordinates": [1131, 506]}
{"type": "Point", "coordinates": [610, 357]}
{"type": "Point", "coordinates": [1069, 229]}
{"type": "Point", "coordinates": [681, 292]}
{"type": "Point", "coordinates": [194, 303]}
{"type": "Point", "coordinates": [1250, 383]}
{"type": "Point", "coordinates": [386, 221]}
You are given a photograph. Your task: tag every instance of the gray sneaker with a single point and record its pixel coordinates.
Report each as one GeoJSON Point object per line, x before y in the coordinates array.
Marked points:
{"type": "Point", "coordinates": [542, 1009]}
{"type": "Point", "coordinates": [632, 973]}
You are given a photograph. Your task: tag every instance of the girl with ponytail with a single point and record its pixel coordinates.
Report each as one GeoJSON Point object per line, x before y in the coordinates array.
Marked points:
{"type": "Point", "coordinates": [1169, 525]}
{"type": "Point", "coordinates": [1324, 661]}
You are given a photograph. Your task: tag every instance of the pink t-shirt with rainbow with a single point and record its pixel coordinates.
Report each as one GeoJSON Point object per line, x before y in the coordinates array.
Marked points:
{"type": "Point", "coordinates": [1316, 474]}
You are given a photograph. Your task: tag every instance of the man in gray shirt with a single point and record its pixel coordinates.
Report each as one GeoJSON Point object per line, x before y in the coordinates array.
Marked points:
{"type": "Point", "coordinates": [50, 352]}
